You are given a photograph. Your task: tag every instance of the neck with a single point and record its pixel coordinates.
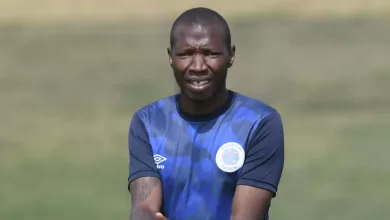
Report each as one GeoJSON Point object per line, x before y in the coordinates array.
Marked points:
{"type": "Point", "coordinates": [206, 107]}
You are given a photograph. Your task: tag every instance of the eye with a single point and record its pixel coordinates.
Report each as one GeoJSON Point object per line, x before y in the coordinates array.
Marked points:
{"type": "Point", "coordinates": [184, 54]}
{"type": "Point", "coordinates": [212, 53]}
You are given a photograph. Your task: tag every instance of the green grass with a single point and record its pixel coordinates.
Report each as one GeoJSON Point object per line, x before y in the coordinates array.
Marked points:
{"type": "Point", "coordinates": [38, 11]}
{"type": "Point", "coordinates": [67, 93]}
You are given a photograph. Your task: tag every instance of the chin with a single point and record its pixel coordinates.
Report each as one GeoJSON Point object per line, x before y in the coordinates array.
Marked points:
{"type": "Point", "coordinates": [199, 96]}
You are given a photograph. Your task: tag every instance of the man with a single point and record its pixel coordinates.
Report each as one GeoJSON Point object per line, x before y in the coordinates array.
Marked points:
{"type": "Point", "coordinates": [207, 153]}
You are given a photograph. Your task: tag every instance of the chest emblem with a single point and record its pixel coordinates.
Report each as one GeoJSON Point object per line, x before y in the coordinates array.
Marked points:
{"type": "Point", "coordinates": [230, 157]}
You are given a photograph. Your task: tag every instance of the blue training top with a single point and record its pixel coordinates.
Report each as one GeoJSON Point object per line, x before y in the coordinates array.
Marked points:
{"type": "Point", "coordinates": [201, 160]}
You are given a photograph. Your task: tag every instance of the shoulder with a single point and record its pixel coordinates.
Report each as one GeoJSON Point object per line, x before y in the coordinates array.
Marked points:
{"type": "Point", "coordinates": [255, 107]}
{"type": "Point", "coordinates": [155, 114]}
{"type": "Point", "coordinates": [153, 109]}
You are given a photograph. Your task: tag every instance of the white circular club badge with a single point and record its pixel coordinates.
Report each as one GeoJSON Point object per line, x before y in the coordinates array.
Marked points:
{"type": "Point", "coordinates": [230, 157]}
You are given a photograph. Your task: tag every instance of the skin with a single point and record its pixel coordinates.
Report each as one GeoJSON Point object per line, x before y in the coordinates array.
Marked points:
{"type": "Point", "coordinates": [250, 203]}
{"type": "Point", "coordinates": [146, 198]}
{"type": "Point", "coordinates": [199, 51]}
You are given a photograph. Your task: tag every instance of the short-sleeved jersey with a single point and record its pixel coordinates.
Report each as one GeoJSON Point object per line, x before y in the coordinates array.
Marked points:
{"type": "Point", "coordinates": [201, 160]}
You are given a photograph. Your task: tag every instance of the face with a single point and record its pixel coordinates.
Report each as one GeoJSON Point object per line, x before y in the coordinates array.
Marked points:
{"type": "Point", "coordinates": [200, 60]}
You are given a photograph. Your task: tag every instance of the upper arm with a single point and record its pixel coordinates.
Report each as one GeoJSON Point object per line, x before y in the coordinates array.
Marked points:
{"type": "Point", "coordinates": [250, 203]}
{"type": "Point", "coordinates": [260, 175]}
{"type": "Point", "coordinates": [144, 178]}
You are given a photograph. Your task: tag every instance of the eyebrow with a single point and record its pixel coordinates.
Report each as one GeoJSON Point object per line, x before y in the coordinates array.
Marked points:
{"type": "Point", "coordinates": [202, 46]}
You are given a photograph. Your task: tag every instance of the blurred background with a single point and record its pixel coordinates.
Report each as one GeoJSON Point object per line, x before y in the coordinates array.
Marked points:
{"type": "Point", "coordinates": [72, 72]}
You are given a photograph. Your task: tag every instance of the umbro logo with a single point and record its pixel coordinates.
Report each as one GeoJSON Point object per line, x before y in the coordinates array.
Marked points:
{"type": "Point", "coordinates": [159, 159]}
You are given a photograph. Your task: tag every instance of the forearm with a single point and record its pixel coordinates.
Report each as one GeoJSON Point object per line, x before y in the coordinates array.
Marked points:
{"type": "Point", "coordinates": [139, 213]}
{"type": "Point", "coordinates": [145, 198]}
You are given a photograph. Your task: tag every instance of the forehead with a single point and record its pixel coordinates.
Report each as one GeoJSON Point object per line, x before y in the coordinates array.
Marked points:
{"type": "Point", "coordinates": [199, 35]}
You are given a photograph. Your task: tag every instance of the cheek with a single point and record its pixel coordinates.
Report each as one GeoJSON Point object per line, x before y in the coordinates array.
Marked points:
{"type": "Point", "coordinates": [180, 65]}
{"type": "Point", "coordinates": [217, 65]}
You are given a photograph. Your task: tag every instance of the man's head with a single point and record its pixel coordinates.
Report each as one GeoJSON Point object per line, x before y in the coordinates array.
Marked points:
{"type": "Point", "coordinates": [201, 53]}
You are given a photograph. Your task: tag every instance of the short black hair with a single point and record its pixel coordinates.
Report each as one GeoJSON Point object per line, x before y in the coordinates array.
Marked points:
{"type": "Point", "coordinates": [201, 16]}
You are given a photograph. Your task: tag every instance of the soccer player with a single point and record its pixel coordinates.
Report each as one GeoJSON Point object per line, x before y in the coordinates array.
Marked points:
{"type": "Point", "coordinates": [207, 153]}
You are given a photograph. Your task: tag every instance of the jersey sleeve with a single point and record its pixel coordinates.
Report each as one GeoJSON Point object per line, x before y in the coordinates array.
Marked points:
{"type": "Point", "coordinates": [264, 161]}
{"type": "Point", "coordinates": [141, 162]}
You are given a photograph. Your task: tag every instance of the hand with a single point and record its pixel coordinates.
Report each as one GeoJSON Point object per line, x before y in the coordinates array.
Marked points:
{"type": "Point", "coordinates": [160, 216]}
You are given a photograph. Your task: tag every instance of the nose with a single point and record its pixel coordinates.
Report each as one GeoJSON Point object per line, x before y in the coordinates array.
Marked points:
{"type": "Point", "coordinates": [198, 64]}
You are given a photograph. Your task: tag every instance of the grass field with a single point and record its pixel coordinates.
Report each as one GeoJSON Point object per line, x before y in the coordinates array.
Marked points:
{"type": "Point", "coordinates": [32, 11]}
{"type": "Point", "coordinates": [67, 92]}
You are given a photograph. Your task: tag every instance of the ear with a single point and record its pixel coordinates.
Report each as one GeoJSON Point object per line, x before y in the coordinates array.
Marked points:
{"type": "Point", "coordinates": [232, 55]}
{"type": "Point", "coordinates": [169, 55]}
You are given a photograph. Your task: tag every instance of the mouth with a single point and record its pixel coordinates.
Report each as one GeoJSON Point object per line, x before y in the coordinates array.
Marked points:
{"type": "Point", "coordinates": [199, 82]}
{"type": "Point", "coordinates": [199, 85]}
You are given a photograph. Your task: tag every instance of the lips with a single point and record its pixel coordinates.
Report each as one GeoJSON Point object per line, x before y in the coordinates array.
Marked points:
{"type": "Point", "coordinates": [197, 84]}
